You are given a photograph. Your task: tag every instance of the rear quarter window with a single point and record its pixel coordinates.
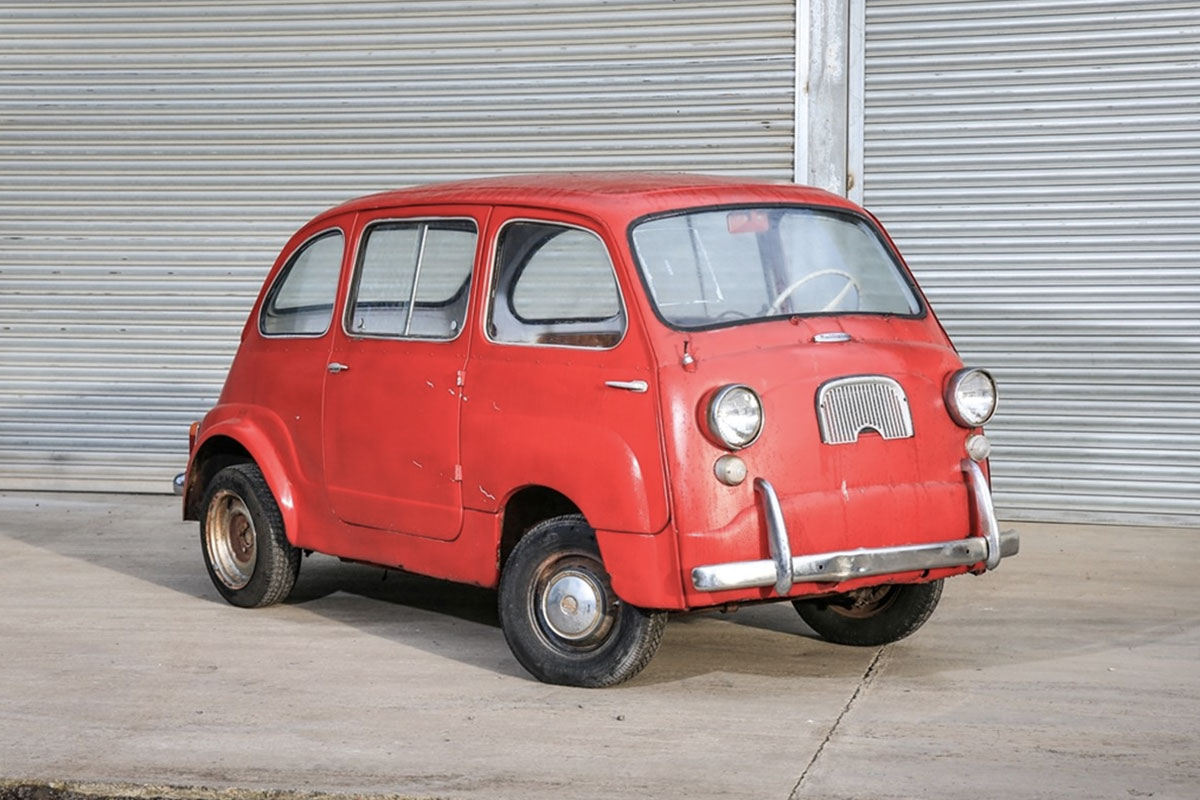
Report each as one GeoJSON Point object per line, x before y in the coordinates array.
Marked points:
{"type": "Point", "coordinates": [300, 303]}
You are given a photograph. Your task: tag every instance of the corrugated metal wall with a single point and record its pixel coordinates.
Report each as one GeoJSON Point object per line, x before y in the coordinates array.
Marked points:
{"type": "Point", "coordinates": [154, 157]}
{"type": "Point", "coordinates": [1039, 164]}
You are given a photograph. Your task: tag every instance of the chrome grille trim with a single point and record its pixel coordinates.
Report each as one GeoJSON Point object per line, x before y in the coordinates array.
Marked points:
{"type": "Point", "coordinates": [848, 406]}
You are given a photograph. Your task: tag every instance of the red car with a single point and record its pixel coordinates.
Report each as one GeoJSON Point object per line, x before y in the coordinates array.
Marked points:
{"type": "Point", "coordinates": [613, 396]}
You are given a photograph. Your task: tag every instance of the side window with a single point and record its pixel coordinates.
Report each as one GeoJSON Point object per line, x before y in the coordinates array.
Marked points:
{"type": "Point", "coordinates": [301, 301]}
{"type": "Point", "coordinates": [554, 285]}
{"type": "Point", "coordinates": [413, 279]}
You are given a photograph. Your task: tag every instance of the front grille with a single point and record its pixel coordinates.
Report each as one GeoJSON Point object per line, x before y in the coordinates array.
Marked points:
{"type": "Point", "coordinates": [848, 406]}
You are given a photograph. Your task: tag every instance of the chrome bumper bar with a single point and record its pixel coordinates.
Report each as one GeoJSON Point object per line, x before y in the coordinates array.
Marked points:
{"type": "Point", "coordinates": [782, 569]}
{"type": "Point", "coordinates": [177, 484]}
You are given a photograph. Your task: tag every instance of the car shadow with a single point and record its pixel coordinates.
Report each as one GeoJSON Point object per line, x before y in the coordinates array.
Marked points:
{"type": "Point", "coordinates": [1098, 605]}
{"type": "Point", "coordinates": [322, 577]}
{"type": "Point", "coordinates": [387, 603]}
{"type": "Point", "coordinates": [140, 536]}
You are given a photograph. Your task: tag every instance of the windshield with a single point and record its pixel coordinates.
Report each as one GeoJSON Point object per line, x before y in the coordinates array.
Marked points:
{"type": "Point", "coordinates": [726, 266]}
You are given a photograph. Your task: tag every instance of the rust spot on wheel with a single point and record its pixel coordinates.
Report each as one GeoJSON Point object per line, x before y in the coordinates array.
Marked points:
{"type": "Point", "coordinates": [230, 539]}
{"type": "Point", "coordinates": [864, 603]}
{"type": "Point", "coordinates": [241, 537]}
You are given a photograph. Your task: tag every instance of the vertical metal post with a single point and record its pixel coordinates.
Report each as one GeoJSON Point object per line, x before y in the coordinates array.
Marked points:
{"type": "Point", "coordinates": [856, 54]}
{"type": "Point", "coordinates": [829, 91]}
{"type": "Point", "coordinates": [800, 104]}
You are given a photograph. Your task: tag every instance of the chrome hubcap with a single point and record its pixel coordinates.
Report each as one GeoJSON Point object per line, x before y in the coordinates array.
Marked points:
{"type": "Point", "coordinates": [573, 605]}
{"type": "Point", "coordinates": [230, 539]}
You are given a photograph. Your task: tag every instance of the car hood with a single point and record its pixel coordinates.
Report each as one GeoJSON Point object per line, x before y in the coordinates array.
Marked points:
{"type": "Point", "coordinates": [836, 488]}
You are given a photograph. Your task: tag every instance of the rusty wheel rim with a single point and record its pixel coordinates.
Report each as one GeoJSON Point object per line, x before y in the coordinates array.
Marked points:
{"type": "Point", "coordinates": [864, 603]}
{"type": "Point", "coordinates": [230, 539]}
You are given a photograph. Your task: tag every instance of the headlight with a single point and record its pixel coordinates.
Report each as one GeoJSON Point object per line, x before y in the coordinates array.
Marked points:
{"type": "Point", "coordinates": [735, 416]}
{"type": "Point", "coordinates": [971, 397]}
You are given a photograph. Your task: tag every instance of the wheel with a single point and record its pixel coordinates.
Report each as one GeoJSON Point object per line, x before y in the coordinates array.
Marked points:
{"type": "Point", "coordinates": [247, 554]}
{"type": "Point", "coordinates": [872, 616]}
{"type": "Point", "coordinates": [559, 613]}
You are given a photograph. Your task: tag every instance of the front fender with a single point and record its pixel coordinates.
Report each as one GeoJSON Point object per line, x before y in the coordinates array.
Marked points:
{"type": "Point", "coordinates": [591, 465]}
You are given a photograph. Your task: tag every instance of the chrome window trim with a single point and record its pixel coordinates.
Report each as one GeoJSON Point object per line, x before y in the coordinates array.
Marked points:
{"type": "Point", "coordinates": [283, 273]}
{"type": "Point", "coordinates": [352, 288]}
{"type": "Point", "coordinates": [495, 273]}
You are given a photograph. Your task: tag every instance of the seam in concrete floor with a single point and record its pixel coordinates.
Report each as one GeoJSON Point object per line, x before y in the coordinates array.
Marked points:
{"type": "Point", "coordinates": [863, 682]}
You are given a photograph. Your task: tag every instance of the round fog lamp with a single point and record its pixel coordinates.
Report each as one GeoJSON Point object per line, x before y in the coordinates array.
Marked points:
{"type": "Point", "coordinates": [730, 470]}
{"type": "Point", "coordinates": [978, 447]}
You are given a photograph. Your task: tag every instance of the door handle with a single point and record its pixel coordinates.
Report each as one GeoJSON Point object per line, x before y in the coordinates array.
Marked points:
{"type": "Point", "coordinates": [629, 386]}
{"type": "Point", "coordinates": [336, 367]}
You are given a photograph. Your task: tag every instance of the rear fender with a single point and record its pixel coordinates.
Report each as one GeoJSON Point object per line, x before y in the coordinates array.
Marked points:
{"type": "Point", "coordinates": [265, 438]}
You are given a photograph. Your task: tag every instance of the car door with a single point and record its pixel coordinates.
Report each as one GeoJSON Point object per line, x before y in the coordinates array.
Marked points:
{"type": "Point", "coordinates": [392, 395]}
{"type": "Point", "coordinates": [561, 389]}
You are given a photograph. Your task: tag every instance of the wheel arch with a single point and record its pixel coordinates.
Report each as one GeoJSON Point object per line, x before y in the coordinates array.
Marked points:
{"type": "Point", "coordinates": [213, 455]}
{"type": "Point", "coordinates": [644, 568]}
{"type": "Point", "coordinates": [243, 435]}
{"type": "Point", "coordinates": [526, 507]}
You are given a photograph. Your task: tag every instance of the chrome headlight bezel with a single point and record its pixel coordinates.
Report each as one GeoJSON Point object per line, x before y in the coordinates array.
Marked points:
{"type": "Point", "coordinates": [719, 429]}
{"type": "Point", "coordinates": [959, 411]}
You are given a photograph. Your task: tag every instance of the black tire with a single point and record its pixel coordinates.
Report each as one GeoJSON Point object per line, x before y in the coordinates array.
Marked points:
{"type": "Point", "coordinates": [559, 642]}
{"type": "Point", "coordinates": [246, 551]}
{"type": "Point", "coordinates": [874, 616]}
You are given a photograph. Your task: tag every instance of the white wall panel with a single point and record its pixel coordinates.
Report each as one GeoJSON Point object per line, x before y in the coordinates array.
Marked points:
{"type": "Point", "coordinates": [155, 156]}
{"type": "Point", "coordinates": [1039, 164]}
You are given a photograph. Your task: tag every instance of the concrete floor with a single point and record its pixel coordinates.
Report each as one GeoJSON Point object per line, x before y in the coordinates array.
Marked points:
{"type": "Point", "coordinates": [1072, 671]}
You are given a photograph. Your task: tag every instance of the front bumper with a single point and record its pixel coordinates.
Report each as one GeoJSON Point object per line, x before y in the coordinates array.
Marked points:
{"type": "Point", "coordinates": [783, 569]}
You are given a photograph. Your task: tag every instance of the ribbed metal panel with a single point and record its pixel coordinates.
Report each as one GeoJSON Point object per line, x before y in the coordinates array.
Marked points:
{"type": "Point", "coordinates": [1039, 164]}
{"type": "Point", "coordinates": [156, 155]}
{"type": "Point", "coordinates": [848, 406]}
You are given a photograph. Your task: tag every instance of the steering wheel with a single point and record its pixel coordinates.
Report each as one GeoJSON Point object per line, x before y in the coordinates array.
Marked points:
{"type": "Point", "coordinates": [851, 283]}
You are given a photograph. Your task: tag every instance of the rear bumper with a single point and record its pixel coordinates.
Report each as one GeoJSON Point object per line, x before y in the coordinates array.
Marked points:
{"type": "Point", "coordinates": [783, 569]}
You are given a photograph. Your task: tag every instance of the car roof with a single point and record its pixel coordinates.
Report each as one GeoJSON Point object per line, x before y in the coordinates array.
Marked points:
{"type": "Point", "coordinates": [630, 194]}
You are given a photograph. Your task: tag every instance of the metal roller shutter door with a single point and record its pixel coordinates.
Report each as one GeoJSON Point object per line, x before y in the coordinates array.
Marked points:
{"type": "Point", "coordinates": [1039, 164]}
{"type": "Point", "coordinates": [156, 155]}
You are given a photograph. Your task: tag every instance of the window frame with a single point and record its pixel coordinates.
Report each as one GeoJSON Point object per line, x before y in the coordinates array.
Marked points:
{"type": "Point", "coordinates": [494, 276]}
{"type": "Point", "coordinates": [356, 274]}
{"type": "Point", "coordinates": [873, 226]}
{"type": "Point", "coordinates": [286, 270]}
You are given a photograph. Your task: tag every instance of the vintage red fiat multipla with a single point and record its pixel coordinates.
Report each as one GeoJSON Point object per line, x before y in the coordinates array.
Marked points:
{"type": "Point", "coordinates": [613, 396]}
